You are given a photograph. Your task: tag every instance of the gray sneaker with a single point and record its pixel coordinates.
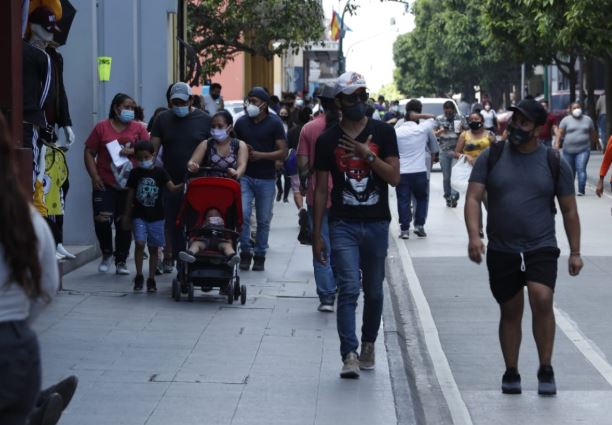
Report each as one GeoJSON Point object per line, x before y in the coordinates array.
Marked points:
{"type": "Point", "coordinates": [105, 264]}
{"type": "Point", "coordinates": [404, 234]}
{"type": "Point", "coordinates": [367, 358]}
{"type": "Point", "coordinates": [326, 308]}
{"type": "Point", "coordinates": [122, 269]}
{"type": "Point", "coordinates": [420, 231]}
{"type": "Point", "coordinates": [350, 368]}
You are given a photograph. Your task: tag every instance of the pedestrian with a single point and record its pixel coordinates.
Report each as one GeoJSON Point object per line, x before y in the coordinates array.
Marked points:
{"type": "Point", "coordinates": [549, 129]}
{"type": "Point", "coordinates": [522, 178]}
{"type": "Point", "coordinates": [576, 131]}
{"type": "Point", "coordinates": [490, 117]}
{"type": "Point", "coordinates": [178, 131]}
{"type": "Point", "coordinates": [291, 169]}
{"type": "Point", "coordinates": [282, 190]}
{"type": "Point", "coordinates": [144, 211]}
{"type": "Point", "coordinates": [447, 127]}
{"type": "Point", "coordinates": [600, 112]}
{"type": "Point", "coordinates": [266, 141]}
{"type": "Point", "coordinates": [29, 278]}
{"type": "Point", "coordinates": [289, 101]}
{"type": "Point", "coordinates": [213, 101]}
{"type": "Point", "coordinates": [323, 272]}
{"type": "Point", "coordinates": [603, 170]}
{"type": "Point", "coordinates": [109, 174]}
{"type": "Point", "coordinates": [415, 141]}
{"type": "Point", "coordinates": [393, 114]}
{"type": "Point", "coordinates": [362, 157]}
{"type": "Point", "coordinates": [223, 152]}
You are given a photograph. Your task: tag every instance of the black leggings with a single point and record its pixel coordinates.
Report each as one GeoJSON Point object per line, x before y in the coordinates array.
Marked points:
{"type": "Point", "coordinates": [20, 374]}
{"type": "Point", "coordinates": [279, 184]}
{"type": "Point", "coordinates": [112, 202]}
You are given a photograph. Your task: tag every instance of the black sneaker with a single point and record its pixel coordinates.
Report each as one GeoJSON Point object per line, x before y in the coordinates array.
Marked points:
{"type": "Point", "coordinates": [138, 282]}
{"type": "Point", "coordinates": [546, 381]}
{"type": "Point", "coordinates": [258, 263]}
{"type": "Point", "coordinates": [511, 381]}
{"type": "Point", "coordinates": [245, 260]}
{"type": "Point", "coordinates": [420, 231]}
{"type": "Point", "coordinates": [151, 285]}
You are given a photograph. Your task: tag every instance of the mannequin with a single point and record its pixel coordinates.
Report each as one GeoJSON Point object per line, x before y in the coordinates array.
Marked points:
{"type": "Point", "coordinates": [50, 168]}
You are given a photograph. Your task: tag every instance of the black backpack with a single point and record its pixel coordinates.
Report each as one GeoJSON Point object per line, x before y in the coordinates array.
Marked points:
{"type": "Point", "coordinates": [554, 163]}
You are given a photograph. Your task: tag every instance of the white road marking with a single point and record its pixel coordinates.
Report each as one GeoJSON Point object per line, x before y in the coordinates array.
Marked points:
{"type": "Point", "coordinates": [457, 407]}
{"type": "Point", "coordinates": [588, 349]}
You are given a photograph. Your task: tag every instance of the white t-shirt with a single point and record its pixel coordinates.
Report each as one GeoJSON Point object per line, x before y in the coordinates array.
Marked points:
{"type": "Point", "coordinates": [211, 105]}
{"type": "Point", "coordinates": [413, 141]}
{"type": "Point", "coordinates": [489, 118]}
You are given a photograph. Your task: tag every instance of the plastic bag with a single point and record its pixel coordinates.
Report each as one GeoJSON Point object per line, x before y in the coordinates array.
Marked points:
{"type": "Point", "coordinates": [460, 175]}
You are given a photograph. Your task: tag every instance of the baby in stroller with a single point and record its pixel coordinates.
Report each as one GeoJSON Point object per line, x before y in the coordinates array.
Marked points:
{"type": "Point", "coordinates": [212, 236]}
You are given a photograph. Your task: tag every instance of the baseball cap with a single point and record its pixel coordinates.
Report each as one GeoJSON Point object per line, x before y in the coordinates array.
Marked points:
{"type": "Point", "coordinates": [532, 110]}
{"type": "Point", "coordinates": [348, 82]}
{"type": "Point", "coordinates": [181, 91]}
{"type": "Point", "coordinates": [260, 93]}
{"type": "Point", "coordinates": [45, 18]}
{"type": "Point", "coordinates": [326, 92]}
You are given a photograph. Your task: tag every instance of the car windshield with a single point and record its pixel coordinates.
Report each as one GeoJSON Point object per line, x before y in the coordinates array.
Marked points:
{"type": "Point", "coordinates": [433, 108]}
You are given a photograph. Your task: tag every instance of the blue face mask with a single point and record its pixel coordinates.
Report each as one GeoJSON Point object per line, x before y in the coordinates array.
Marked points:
{"type": "Point", "coordinates": [146, 164]}
{"type": "Point", "coordinates": [180, 111]}
{"type": "Point", "coordinates": [126, 115]}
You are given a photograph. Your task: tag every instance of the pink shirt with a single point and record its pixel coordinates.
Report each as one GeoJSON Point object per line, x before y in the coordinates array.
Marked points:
{"type": "Point", "coordinates": [306, 147]}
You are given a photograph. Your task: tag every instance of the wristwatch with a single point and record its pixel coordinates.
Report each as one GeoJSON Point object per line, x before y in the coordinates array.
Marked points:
{"type": "Point", "coordinates": [370, 158]}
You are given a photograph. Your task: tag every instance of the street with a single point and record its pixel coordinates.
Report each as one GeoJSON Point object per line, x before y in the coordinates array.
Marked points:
{"type": "Point", "coordinates": [145, 359]}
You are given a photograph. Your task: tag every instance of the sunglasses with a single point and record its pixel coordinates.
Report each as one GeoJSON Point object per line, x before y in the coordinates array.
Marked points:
{"type": "Point", "coordinates": [356, 97]}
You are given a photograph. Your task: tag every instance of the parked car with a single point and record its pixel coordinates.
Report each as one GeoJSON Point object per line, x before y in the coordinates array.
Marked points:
{"type": "Point", "coordinates": [235, 107]}
{"type": "Point", "coordinates": [431, 105]}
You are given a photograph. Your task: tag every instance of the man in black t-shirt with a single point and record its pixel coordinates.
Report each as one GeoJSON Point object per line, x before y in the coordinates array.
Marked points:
{"type": "Point", "coordinates": [179, 131]}
{"type": "Point", "coordinates": [265, 138]}
{"type": "Point", "coordinates": [362, 156]}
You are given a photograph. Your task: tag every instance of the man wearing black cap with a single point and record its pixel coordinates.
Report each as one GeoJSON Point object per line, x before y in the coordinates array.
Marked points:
{"type": "Point", "coordinates": [522, 177]}
{"type": "Point", "coordinates": [265, 137]}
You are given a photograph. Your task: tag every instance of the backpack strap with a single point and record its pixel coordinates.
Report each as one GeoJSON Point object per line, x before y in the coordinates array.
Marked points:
{"type": "Point", "coordinates": [209, 145]}
{"type": "Point", "coordinates": [554, 163]}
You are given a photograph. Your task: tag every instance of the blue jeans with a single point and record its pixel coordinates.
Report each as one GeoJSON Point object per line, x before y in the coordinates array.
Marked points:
{"type": "Point", "coordinates": [578, 163]}
{"type": "Point", "coordinates": [447, 160]}
{"type": "Point", "coordinates": [262, 191]}
{"type": "Point", "coordinates": [359, 245]}
{"type": "Point", "coordinates": [324, 274]}
{"type": "Point", "coordinates": [601, 123]}
{"type": "Point", "coordinates": [412, 184]}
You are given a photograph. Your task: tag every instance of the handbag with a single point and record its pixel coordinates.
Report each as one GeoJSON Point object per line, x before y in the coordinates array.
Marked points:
{"type": "Point", "coordinates": [460, 174]}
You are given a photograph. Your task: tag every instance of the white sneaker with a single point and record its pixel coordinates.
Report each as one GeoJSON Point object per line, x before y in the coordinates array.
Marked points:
{"type": "Point", "coordinates": [326, 308]}
{"type": "Point", "coordinates": [122, 269]}
{"type": "Point", "coordinates": [404, 234]}
{"type": "Point", "coordinates": [105, 264]}
{"type": "Point", "coordinates": [60, 248]}
{"type": "Point", "coordinates": [59, 256]}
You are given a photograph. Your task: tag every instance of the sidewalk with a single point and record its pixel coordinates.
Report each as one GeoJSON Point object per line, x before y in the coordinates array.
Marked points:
{"type": "Point", "coordinates": [146, 359]}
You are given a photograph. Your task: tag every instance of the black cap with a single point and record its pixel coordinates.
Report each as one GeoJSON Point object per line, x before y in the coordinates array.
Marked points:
{"type": "Point", "coordinates": [260, 93]}
{"type": "Point", "coordinates": [532, 110]}
{"type": "Point", "coordinates": [45, 18]}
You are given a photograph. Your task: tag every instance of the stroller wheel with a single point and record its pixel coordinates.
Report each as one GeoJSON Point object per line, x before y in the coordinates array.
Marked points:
{"type": "Point", "coordinates": [237, 288]}
{"type": "Point", "coordinates": [176, 290]}
{"type": "Point", "coordinates": [230, 292]}
{"type": "Point", "coordinates": [190, 292]}
{"type": "Point", "coordinates": [243, 292]}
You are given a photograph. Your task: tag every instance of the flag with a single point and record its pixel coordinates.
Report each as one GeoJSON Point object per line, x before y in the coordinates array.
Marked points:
{"type": "Point", "coordinates": [336, 25]}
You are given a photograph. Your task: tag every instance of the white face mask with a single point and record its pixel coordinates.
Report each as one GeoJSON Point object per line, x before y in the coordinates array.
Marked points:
{"type": "Point", "coordinates": [252, 110]}
{"type": "Point", "coordinates": [219, 134]}
{"type": "Point", "coordinates": [577, 112]}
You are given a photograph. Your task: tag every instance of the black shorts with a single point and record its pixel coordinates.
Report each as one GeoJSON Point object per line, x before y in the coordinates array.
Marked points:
{"type": "Point", "coordinates": [506, 277]}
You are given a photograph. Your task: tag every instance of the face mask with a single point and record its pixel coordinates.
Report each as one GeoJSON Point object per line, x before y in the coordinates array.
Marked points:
{"type": "Point", "coordinates": [517, 137]}
{"type": "Point", "coordinates": [252, 110]}
{"type": "Point", "coordinates": [146, 164]}
{"type": "Point", "coordinates": [475, 125]}
{"type": "Point", "coordinates": [394, 108]}
{"type": "Point", "coordinates": [577, 112]}
{"type": "Point", "coordinates": [180, 111]}
{"type": "Point", "coordinates": [126, 115]}
{"type": "Point", "coordinates": [284, 117]}
{"type": "Point", "coordinates": [214, 96]}
{"type": "Point", "coordinates": [219, 134]}
{"type": "Point", "coordinates": [299, 102]}
{"type": "Point", "coordinates": [355, 112]}
{"type": "Point", "coordinates": [216, 221]}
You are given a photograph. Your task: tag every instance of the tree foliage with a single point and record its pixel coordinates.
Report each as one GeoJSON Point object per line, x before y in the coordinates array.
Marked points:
{"type": "Point", "coordinates": [220, 29]}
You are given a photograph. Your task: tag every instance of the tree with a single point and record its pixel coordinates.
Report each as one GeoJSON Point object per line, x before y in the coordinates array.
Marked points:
{"type": "Point", "coordinates": [220, 29]}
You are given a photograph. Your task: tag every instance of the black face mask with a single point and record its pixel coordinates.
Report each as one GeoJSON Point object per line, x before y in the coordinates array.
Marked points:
{"type": "Point", "coordinates": [214, 96]}
{"type": "Point", "coordinates": [517, 137]}
{"type": "Point", "coordinates": [284, 117]}
{"type": "Point", "coordinates": [355, 112]}
{"type": "Point", "coordinates": [475, 125]}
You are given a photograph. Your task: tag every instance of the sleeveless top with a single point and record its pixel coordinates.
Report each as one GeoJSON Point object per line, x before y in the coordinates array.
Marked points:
{"type": "Point", "coordinates": [214, 160]}
{"type": "Point", "coordinates": [474, 146]}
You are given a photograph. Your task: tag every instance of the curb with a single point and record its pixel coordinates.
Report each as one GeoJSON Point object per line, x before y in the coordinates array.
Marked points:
{"type": "Point", "coordinates": [84, 254]}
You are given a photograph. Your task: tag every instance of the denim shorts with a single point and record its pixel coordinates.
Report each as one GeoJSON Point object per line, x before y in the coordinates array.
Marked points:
{"type": "Point", "coordinates": [151, 232]}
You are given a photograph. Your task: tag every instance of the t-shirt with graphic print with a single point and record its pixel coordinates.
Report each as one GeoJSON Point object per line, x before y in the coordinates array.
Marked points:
{"type": "Point", "coordinates": [148, 187]}
{"type": "Point", "coordinates": [359, 194]}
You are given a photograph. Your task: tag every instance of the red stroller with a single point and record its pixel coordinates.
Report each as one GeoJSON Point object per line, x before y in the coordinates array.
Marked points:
{"type": "Point", "coordinates": [210, 269]}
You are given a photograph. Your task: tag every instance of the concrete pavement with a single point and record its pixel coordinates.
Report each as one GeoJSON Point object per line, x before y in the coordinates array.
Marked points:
{"type": "Point", "coordinates": [146, 359]}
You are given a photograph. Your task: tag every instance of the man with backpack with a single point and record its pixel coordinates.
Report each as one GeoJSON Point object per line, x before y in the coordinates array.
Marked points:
{"type": "Point", "coordinates": [522, 177]}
